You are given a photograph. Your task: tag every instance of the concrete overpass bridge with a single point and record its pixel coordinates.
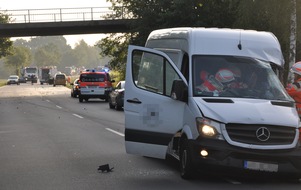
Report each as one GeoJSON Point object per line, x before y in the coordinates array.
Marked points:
{"type": "Point", "coordinates": [64, 21]}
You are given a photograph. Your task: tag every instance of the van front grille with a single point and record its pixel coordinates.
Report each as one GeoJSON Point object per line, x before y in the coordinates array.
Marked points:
{"type": "Point", "coordinates": [261, 134]}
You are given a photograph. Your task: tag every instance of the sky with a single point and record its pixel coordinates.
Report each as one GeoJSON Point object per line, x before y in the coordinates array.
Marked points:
{"type": "Point", "coordinates": [90, 39]}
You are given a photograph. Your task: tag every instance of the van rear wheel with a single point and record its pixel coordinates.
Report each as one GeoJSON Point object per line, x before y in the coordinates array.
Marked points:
{"type": "Point", "coordinates": [187, 169]}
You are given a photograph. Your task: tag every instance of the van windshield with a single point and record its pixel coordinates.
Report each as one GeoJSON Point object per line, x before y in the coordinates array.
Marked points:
{"type": "Point", "coordinates": [239, 77]}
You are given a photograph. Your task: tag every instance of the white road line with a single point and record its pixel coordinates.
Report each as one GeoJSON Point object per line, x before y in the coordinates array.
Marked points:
{"type": "Point", "coordinates": [47, 100]}
{"type": "Point", "coordinates": [116, 132]}
{"type": "Point", "coordinates": [233, 182]}
{"type": "Point", "coordinates": [59, 107]}
{"type": "Point", "coordinates": [78, 116]}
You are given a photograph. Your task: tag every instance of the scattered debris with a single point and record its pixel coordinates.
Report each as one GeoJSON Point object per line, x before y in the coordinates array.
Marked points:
{"type": "Point", "coordinates": [105, 168]}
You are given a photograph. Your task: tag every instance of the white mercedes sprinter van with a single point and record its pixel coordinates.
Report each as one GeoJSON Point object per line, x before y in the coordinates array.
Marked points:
{"type": "Point", "coordinates": [211, 98]}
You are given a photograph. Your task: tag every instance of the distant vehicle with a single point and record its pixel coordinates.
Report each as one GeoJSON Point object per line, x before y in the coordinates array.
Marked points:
{"type": "Point", "coordinates": [60, 79]}
{"type": "Point", "coordinates": [28, 72]}
{"type": "Point", "coordinates": [22, 80]}
{"type": "Point", "coordinates": [75, 88]}
{"type": "Point", "coordinates": [94, 84]}
{"type": "Point", "coordinates": [13, 79]}
{"type": "Point", "coordinates": [116, 97]}
{"type": "Point", "coordinates": [46, 74]}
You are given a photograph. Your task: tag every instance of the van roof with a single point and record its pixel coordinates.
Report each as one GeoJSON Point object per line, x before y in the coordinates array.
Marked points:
{"type": "Point", "coordinates": [222, 41]}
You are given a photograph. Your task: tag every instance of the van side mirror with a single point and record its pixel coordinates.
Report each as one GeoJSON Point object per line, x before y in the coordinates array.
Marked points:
{"type": "Point", "coordinates": [179, 91]}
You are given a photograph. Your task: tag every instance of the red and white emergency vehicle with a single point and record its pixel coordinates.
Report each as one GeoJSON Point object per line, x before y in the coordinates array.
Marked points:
{"type": "Point", "coordinates": [94, 84]}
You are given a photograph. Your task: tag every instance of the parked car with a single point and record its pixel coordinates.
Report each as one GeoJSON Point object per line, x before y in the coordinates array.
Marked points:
{"type": "Point", "coordinates": [60, 79]}
{"type": "Point", "coordinates": [13, 79]}
{"type": "Point", "coordinates": [22, 80]}
{"type": "Point", "coordinates": [116, 97]}
{"type": "Point", "coordinates": [75, 88]}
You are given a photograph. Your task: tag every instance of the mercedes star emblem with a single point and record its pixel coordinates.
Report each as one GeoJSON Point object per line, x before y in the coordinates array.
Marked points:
{"type": "Point", "coordinates": [263, 134]}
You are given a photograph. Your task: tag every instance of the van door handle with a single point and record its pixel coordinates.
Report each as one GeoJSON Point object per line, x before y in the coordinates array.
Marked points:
{"type": "Point", "coordinates": [135, 101]}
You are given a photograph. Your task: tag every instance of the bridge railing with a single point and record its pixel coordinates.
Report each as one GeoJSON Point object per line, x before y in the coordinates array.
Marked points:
{"type": "Point", "coordinates": [62, 14]}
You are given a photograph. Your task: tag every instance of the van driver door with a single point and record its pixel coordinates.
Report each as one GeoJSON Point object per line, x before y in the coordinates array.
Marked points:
{"type": "Point", "coordinates": [152, 117]}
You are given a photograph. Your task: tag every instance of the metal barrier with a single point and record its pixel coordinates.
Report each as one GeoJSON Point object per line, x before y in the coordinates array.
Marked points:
{"type": "Point", "coordinates": [63, 14]}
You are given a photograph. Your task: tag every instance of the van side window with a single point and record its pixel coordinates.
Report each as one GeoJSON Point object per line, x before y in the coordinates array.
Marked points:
{"type": "Point", "coordinates": [153, 73]}
{"type": "Point", "coordinates": [185, 67]}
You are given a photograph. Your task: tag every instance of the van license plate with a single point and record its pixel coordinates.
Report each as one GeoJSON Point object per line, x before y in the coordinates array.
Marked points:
{"type": "Point", "coordinates": [267, 167]}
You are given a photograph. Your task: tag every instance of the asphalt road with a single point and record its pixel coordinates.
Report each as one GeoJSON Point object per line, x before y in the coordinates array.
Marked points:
{"type": "Point", "coordinates": [49, 140]}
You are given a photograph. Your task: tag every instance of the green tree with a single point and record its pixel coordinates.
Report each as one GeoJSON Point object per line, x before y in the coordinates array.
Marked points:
{"type": "Point", "coordinates": [5, 43]}
{"type": "Point", "coordinates": [40, 41]}
{"type": "Point", "coordinates": [273, 16]}
{"type": "Point", "coordinates": [116, 46]}
{"type": "Point", "coordinates": [48, 55]}
{"type": "Point", "coordinates": [87, 56]}
{"type": "Point", "coordinates": [22, 42]}
{"type": "Point", "coordinates": [155, 14]}
{"type": "Point", "coordinates": [21, 57]}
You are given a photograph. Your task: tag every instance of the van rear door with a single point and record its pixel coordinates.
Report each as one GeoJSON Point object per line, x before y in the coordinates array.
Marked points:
{"type": "Point", "coordinates": [152, 117]}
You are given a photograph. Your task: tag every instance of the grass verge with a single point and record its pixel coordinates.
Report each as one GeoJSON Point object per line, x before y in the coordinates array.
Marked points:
{"type": "Point", "coordinates": [2, 82]}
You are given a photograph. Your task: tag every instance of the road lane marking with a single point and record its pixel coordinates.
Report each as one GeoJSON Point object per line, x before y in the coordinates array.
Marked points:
{"type": "Point", "coordinates": [59, 107]}
{"type": "Point", "coordinates": [234, 182]}
{"type": "Point", "coordinates": [116, 132]}
{"type": "Point", "coordinates": [47, 100]}
{"type": "Point", "coordinates": [78, 116]}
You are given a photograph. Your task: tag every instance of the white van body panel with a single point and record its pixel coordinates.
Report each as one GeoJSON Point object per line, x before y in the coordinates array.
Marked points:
{"type": "Point", "coordinates": [215, 41]}
{"type": "Point", "coordinates": [155, 113]}
{"type": "Point", "coordinates": [248, 111]}
{"type": "Point", "coordinates": [143, 149]}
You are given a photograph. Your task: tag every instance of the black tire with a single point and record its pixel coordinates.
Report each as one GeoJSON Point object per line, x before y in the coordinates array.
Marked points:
{"type": "Point", "coordinates": [110, 104]}
{"type": "Point", "coordinates": [118, 107]}
{"type": "Point", "coordinates": [187, 169]}
{"type": "Point", "coordinates": [86, 99]}
{"type": "Point", "coordinates": [80, 99]}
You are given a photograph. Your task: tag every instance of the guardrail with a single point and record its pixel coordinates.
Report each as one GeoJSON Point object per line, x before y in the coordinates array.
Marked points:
{"type": "Point", "coordinates": [63, 14]}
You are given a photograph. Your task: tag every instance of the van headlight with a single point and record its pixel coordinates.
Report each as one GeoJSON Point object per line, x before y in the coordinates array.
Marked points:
{"type": "Point", "coordinates": [209, 128]}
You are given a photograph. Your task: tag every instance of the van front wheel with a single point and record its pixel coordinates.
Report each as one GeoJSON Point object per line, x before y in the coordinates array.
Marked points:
{"type": "Point", "coordinates": [187, 169]}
